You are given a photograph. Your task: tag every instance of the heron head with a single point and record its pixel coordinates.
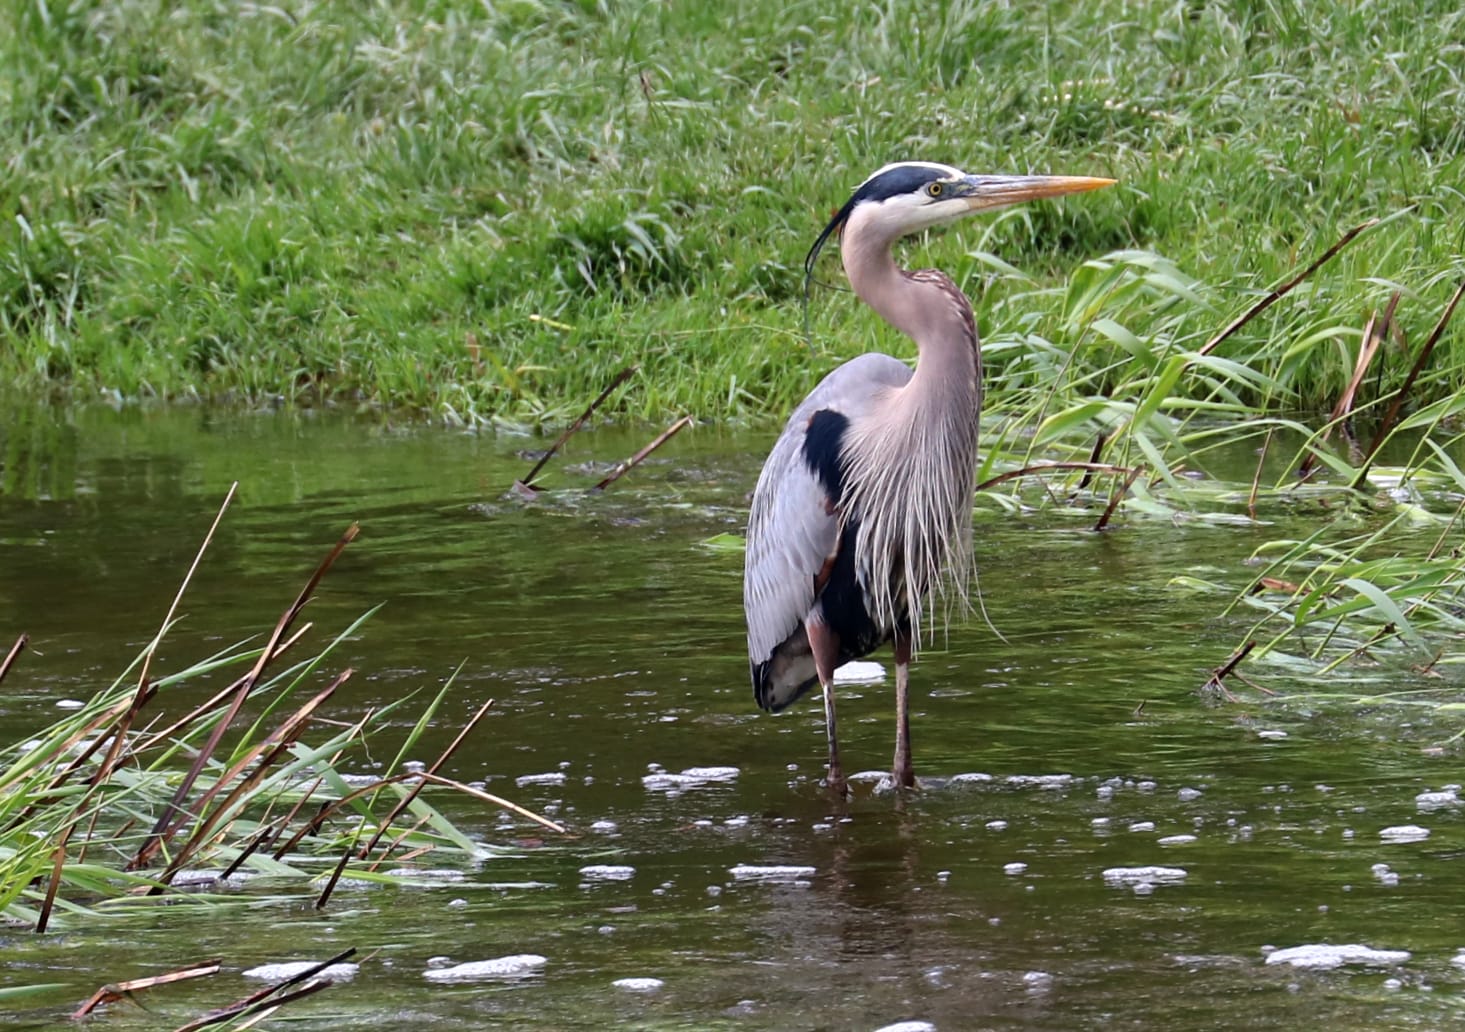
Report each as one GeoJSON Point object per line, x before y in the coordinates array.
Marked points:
{"type": "Point", "coordinates": [909, 196]}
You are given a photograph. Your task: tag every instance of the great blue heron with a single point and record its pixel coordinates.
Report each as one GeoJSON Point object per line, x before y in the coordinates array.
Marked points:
{"type": "Point", "coordinates": [862, 515]}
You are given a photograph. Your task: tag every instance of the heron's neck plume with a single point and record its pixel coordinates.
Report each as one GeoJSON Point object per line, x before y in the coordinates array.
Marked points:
{"type": "Point", "coordinates": [913, 457]}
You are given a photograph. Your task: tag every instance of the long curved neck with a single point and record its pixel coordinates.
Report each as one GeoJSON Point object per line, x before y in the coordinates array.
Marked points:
{"type": "Point", "coordinates": [927, 307]}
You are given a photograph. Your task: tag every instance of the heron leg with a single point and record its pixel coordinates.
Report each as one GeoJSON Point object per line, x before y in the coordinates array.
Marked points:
{"type": "Point", "coordinates": [903, 772]}
{"type": "Point", "coordinates": [825, 646]}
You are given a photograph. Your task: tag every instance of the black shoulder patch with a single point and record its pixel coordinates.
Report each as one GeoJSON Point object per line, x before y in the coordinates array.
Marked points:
{"type": "Point", "coordinates": [823, 444]}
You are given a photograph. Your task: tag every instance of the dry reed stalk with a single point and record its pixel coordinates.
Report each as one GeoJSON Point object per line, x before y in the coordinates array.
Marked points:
{"type": "Point", "coordinates": [1116, 498]}
{"type": "Point", "coordinates": [115, 991]}
{"type": "Point", "coordinates": [635, 460]}
{"type": "Point", "coordinates": [1279, 292]}
{"type": "Point", "coordinates": [262, 998]}
{"type": "Point", "coordinates": [12, 655]}
{"type": "Point", "coordinates": [525, 487]}
{"type": "Point", "coordinates": [1089, 468]}
{"type": "Point", "coordinates": [489, 797]}
{"type": "Point", "coordinates": [416, 789]}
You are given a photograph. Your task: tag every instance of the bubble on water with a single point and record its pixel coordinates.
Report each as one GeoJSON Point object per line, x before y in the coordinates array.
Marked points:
{"type": "Point", "coordinates": [518, 965]}
{"type": "Point", "coordinates": [1104, 792]}
{"type": "Point", "coordinates": [859, 672]}
{"type": "Point", "coordinates": [607, 872]}
{"type": "Point", "coordinates": [1404, 833]}
{"type": "Point", "coordinates": [943, 876]}
{"type": "Point", "coordinates": [691, 778]}
{"type": "Point", "coordinates": [1441, 800]}
{"type": "Point", "coordinates": [1037, 981]}
{"type": "Point", "coordinates": [714, 890]}
{"type": "Point", "coordinates": [1393, 983]}
{"type": "Point", "coordinates": [605, 827]}
{"type": "Point", "coordinates": [1100, 822]}
{"type": "Point", "coordinates": [457, 904]}
{"type": "Point", "coordinates": [290, 968]}
{"type": "Point", "coordinates": [69, 704]}
{"type": "Point", "coordinates": [1048, 782]}
{"type": "Point", "coordinates": [1271, 735]}
{"type": "Point", "coordinates": [1150, 874]}
{"type": "Point", "coordinates": [638, 985]}
{"type": "Point", "coordinates": [1142, 826]}
{"type": "Point", "coordinates": [736, 822]}
{"type": "Point", "coordinates": [1188, 795]}
{"type": "Point", "coordinates": [1016, 867]}
{"type": "Point", "coordinates": [1322, 956]}
{"type": "Point", "coordinates": [1145, 786]}
{"type": "Point", "coordinates": [997, 825]}
{"type": "Point", "coordinates": [1176, 840]}
{"type": "Point", "coordinates": [908, 1026]}
{"type": "Point", "coordinates": [552, 778]}
{"type": "Point", "coordinates": [770, 873]}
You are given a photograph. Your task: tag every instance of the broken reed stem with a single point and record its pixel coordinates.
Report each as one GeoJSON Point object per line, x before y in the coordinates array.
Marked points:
{"type": "Point", "coordinates": [1090, 468]}
{"type": "Point", "coordinates": [267, 752]}
{"type": "Point", "coordinates": [1116, 498]}
{"type": "Point", "coordinates": [1391, 417]}
{"type": "Point", "coordinates": [325, 894]}
{"type": "Point", "coordinates": [174, 814]}
{"type": "Point", "coordinates": [114, 991]}
{"type": "Point", "coordinates": [261, 999]}
{"type": "Point", "coordinates": [635, 460]}
{"type": "Point", "coordinates": [1279, 292]}
{"type": "Point", "coordinates": [1088, 478]}
{"type": "Point", "coordinates": [489, 797]}
{"type": "Point", "coordinates": [416, 789]}
{"type": "Point", "coordinates": [392, 845]}
{"type": "Point", "coordinates": [12, 655]}
{"type": "Point", "coordinates": [624, 375]}
{"type": "Point", "coordinates": [1256, 477]}
{"type": "Point", "coordinates": [1219, 675]}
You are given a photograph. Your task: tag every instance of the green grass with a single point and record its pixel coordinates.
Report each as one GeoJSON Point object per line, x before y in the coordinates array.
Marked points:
{"type": "Point", "coordinates": [370, 203]}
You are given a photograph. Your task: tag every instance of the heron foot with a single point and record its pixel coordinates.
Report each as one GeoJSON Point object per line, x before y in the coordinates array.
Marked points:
{"type": "Point", "coordinates": [904, 777]}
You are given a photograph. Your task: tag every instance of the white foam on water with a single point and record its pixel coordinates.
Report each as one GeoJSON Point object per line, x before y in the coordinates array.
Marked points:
{"type": "Point", "coordinates": [607, 872]}
{"type": "Point", "coordinates": [1016, 867]}
{"type": "Point", "coordinates": [908, 1026]}
{"type": "Point", "coordinates": [605, 827]}
{"type": "Point", "coordinates": [1443, 799]}
{"type": "Point", "coordinates": [1149, 875]}
{"type": "Point", "coordinates": [996, 825]}
{"type": "Point", "coordinates": [868, 775]}
{"type": "Point", "coordinates": [1404, 833]}
{"type": "Point", "coordinates": [516, 966]}
{"type": "Point", "coordinates": [638, 985]}
{"type": "Point", "coordinates": [1272, 735]}
{"type": "Point", "coordinates": [970, 779]}
{"type": "Point", "coordinates": [1188, 795]}
{"type": "Point", "coordinates": [552, 778]}
{"type": "Point", "coordinates": [1050, 782]}
{"type": "Point", "coordinates": [1176, 840]}
{"type": "Point", "coordinates": [692, 777]}
{"type": "Point", "coordinates": [69, 704]}
{"type": "Point", "coordinates": [859, 672]}
{"type": "Point", "coordinates": [1322, 956]}
{"type": "Point", "coordinates": [1142, 826]}
{"type": "Point", "coordinates": [770, 872]}
{"type": "Point", "coordinates": [290, 968]}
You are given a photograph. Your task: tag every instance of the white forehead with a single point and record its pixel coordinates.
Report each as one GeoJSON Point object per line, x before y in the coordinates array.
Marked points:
{"type": "Point", "coordinates": [946, 171]}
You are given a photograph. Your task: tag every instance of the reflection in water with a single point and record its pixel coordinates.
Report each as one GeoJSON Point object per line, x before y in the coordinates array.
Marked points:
{"type": "Point", "coordinates": [611, 640]}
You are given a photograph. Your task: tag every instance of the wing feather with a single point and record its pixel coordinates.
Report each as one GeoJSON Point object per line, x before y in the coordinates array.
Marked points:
{"type": "Point", "coordinates": [793, 528]}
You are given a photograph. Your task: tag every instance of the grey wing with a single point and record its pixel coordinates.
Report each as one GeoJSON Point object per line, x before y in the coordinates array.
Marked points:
{"type": "Point", "coordinates": [793, 529]}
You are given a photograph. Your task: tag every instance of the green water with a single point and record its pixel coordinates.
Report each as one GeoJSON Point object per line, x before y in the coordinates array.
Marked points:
{"type": "Point", "coordinates": [611, 642]}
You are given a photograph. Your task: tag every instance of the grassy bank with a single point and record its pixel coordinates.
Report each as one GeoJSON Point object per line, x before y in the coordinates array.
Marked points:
{"type": "Point", "coordinates": [475, 210]}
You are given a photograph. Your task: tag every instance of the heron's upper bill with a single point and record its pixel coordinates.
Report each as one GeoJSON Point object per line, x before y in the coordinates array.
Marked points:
{"type": "Point", "coordinates": [984, 192]}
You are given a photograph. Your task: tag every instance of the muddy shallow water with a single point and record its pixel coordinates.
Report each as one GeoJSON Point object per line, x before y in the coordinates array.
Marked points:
{"type": "Point", "coordinates": [1096, 844]}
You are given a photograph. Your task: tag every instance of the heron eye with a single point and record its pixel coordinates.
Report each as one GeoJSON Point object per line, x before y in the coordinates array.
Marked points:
{"type": "Point", "coordinates": [933, 189]}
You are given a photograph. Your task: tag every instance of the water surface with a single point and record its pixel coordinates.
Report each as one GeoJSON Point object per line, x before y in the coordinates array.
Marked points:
{"type": "Point", "coordinates": [1075, 743]}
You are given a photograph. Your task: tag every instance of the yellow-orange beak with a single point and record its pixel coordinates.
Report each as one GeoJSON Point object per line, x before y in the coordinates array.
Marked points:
{"type": "Point", "coordinates": [983, 193]}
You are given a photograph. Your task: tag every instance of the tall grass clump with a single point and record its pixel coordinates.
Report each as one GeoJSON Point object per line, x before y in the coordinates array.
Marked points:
{"type": "Point", "coordinates": [481, 211]}
{"type": "Point", "coordinates": [131, 799]}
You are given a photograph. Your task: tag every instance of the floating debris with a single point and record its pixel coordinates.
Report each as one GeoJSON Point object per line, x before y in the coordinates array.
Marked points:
{"type": "Point", "coordinates": [290, 968]}
{"type": "Point", "coordinates": [607, 872]}
{"type": "Point", "coordinates": [638, 985]}
{"type": "Point", "coordinates": [859, 672]}
{"type": "Point", "coordinates": [770, 873]}
{"type": "Point", "coordinates": [1404, 833]}
{"type": "Point", "coordinates": [516, 966]}
{"type": "Point", "coordinates": [1321, 956]}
